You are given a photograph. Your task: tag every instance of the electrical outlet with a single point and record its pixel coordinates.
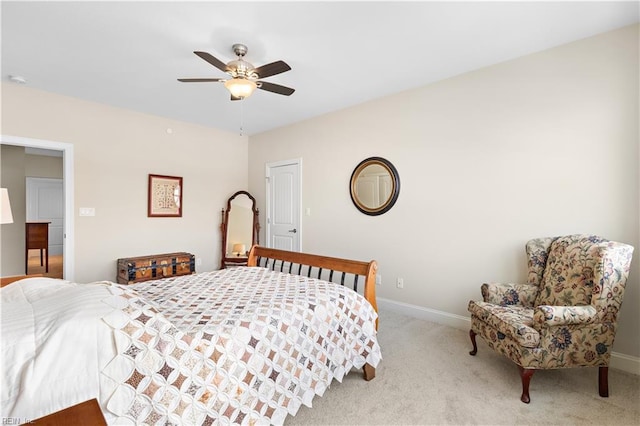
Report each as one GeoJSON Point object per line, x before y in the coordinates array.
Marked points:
{"type": "Point", "coordinates": [400, 283]}
{"type": "Point", "coordinates": [198, 261]}
{"type": "Point", "coordinates": [378, 279]}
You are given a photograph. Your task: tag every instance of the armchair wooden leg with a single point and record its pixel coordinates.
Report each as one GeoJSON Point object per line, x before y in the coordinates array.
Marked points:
{"type": "Point", "coordinates": [525, 375]}
{"type": "Point", "coordinates": [472, 334]}
{"type": "Point", "coordinates": [369, 372]}
{"type": "Point", "coordinates": [603, 381]}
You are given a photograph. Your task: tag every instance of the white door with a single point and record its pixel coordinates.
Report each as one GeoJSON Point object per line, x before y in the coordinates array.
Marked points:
{"type": "Point", "coordinates": [45, 203]}
{"type": "Point", "coordinates": [283, 205]}
{"type": "Point", "coordinates": [373, 190]}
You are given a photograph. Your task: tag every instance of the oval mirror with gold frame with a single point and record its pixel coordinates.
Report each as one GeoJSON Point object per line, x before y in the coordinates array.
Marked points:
{"type": "Point", "coordinates": [375, 186]}
{"type": "Point", "coordinates": [240, 229]}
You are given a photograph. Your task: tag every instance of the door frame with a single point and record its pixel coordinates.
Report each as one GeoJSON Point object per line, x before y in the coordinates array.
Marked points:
{"type": "Point", "coordinates": [267, 173]}
{"type": "Point", "coordinates": [68, 249]}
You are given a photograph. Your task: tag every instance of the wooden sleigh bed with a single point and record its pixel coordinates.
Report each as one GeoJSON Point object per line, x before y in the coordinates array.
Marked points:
{"type": "Point", "coordinates": [133, 318]}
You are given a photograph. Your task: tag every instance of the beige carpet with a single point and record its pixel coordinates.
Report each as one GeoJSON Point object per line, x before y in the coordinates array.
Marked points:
{"type": "Point", "coordinates": [427, 377]}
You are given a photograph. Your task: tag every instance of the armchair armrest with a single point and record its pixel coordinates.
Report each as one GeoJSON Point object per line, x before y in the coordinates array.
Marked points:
{"type": "Point", "coordinates": [509, 294]}
{"type": "Point", "coordinates": [551, 316]}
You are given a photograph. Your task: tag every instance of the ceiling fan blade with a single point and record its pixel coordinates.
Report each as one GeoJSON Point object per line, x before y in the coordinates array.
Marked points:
{"type": "Point", "coordinates": [199, 80]}
{"type": "Point", "coordinates": [212, 60]}
{"type": "Point", "coordinates": [275, 88]}
{"type": "Point", "coordinates": [272, 69]}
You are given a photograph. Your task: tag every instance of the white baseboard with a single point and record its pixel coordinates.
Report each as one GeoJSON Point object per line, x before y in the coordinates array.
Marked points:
{"type": "Point", "coordinates": [627, 363]}
{"type": "Point", "coordinates": [439, 317]}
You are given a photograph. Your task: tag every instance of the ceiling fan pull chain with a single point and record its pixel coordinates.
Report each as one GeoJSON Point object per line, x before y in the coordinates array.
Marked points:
{"type": "Point", "coordinates": [241, 115]}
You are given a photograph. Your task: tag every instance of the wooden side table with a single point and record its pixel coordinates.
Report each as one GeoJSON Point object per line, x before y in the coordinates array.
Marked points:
{"type": "Point", "coordinates": [37, 237]}
{"type": "Point", "coordinates": [84, 414]}
{"type": "Point", "coordinates": [231, 261]}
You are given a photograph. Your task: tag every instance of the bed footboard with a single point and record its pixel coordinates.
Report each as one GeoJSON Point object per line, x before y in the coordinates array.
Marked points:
{"type": "Point", "coordinates": [323, 267]}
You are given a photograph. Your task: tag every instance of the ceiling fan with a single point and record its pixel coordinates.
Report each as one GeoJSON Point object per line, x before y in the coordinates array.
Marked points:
{"type": "Point", "coordinates": [244, 77]}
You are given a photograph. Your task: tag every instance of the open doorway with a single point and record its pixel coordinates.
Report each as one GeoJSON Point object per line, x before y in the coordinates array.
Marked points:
{"type": "Point", "coordinates": [15, 256]}
{"type": "Point", "coordinates": [45, 212]}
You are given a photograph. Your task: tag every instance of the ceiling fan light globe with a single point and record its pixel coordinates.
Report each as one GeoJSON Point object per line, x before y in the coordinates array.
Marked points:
{"type": "Point", "coordinates": [240, 87]}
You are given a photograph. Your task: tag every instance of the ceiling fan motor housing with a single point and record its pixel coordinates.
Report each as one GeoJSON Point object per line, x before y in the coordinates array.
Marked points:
{"type": "Point", "coordinates": [240, 49]}
{"type": "Point", "coordinates": [240, 68]}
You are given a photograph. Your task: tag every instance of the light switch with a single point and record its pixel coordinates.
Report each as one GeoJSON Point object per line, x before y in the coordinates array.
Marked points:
{"type": "Point", "coordinates": [87, 211]}
{"type": "Point", "coordinates": [308, 211]}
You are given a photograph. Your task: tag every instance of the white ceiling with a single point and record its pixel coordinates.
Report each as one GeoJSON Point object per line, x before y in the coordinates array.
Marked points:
{"type": "Point", "coordinates": [129, 54]}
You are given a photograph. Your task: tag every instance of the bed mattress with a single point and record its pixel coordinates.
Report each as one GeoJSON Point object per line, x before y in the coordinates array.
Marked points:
{"type": "Point", "coordinates": [237, 346]}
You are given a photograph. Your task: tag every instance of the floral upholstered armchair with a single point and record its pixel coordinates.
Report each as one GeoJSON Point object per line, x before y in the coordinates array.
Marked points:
{"type": "Point", "coordinates": [565, 316]}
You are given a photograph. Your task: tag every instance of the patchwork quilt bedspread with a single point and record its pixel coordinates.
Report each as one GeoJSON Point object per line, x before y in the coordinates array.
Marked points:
{"type": "Point", "coordinates": [237, 346]}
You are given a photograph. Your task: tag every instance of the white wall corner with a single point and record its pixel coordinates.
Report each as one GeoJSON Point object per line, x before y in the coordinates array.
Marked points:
{"type": "Point", "coordinates": [626, 363]}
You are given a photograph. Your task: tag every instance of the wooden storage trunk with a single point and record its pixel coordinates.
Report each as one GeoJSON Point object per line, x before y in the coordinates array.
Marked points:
{"type": "Point", "coordinates": [153, 267]}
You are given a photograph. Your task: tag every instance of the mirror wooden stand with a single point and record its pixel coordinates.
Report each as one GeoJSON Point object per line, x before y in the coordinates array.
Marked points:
{"type": "Point", "coordinates": [240, 229]}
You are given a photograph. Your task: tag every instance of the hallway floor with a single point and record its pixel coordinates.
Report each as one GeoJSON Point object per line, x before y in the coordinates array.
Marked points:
{"type": "Point", "coordinates": [55, 265]}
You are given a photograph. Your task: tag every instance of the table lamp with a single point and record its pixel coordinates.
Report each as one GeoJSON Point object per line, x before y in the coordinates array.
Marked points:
{"type": "Point", "coordinates": [5, 216]}
{"type": "Point", "coordinates": [239, 249]}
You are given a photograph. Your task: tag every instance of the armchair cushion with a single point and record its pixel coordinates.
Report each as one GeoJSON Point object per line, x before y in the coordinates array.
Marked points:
{"type": "Point", "coordinates": [509, 294]}
{"type": "Point", "coordinates": [569, 273]}
{"type": "Point", "coordinates": [515, 322]}
{"type": "Point", "coordinates": [549, 316]}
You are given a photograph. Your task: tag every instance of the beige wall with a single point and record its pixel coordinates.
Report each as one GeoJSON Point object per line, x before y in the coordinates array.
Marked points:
{"type": "Point", "coordinates": [43, 166]}
{"type": "Point", "coordinates": [114, 151]}
{"type": "Point", "coordinates": [543, 145]}
{"type": "Point", "coordinates": [13, 162]}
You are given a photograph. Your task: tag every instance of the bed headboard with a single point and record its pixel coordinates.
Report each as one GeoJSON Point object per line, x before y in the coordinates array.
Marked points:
{"type": "Point", "coordinates": [327, 268]}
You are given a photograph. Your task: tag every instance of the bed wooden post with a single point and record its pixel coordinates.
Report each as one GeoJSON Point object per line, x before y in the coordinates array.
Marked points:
{"type": "Point", "coordinates": [370, 286]}
{"type": "Point", "coordinates": [369, 372]}
{"type": "Point", "coordinates": [252, 259]}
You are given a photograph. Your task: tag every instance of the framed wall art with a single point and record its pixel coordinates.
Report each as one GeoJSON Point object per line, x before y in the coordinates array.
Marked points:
{"type": "Point", "coordinates": [165, 196]}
